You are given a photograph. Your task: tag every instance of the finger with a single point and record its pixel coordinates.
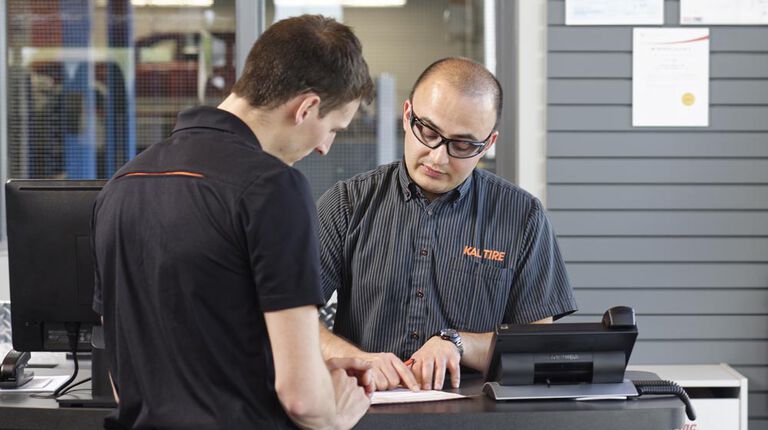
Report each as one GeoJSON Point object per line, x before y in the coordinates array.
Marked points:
{"type": "Point", "coordinates": [380, 380]}
{"type": "Point", "coordinates": [388, 367]}
{"type": "Point", "coordinates": [393, 379]}
{"type": "Point", "coordinates": [426, 374]}
{"type": "Point", "coordinates": [439, 373]}
{"type": "Point", "coordinates": [416, 371]}
{"type": "Point", "coordinates": [348, 363]}
{"type": "Point", "coordinates": [406, 376]}
{"type": "Point", "coordinates": [367, 382]}
{"type": "Point", "coordinates": [455, 368]}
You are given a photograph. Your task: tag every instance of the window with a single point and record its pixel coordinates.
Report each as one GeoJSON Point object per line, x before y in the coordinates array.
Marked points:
{"type": "Point", "coordinates": [399, 42]}
{"type": "Point", "coordinates": [94, 82]}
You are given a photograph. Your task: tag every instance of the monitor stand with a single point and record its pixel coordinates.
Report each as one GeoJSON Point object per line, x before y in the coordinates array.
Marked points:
{"type": "Point", "coordinates": [101, 387]}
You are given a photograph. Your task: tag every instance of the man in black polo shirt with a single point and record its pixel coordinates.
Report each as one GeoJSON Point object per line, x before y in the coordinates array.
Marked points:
{"type": "Point", "coordinates": [206, 252]}
{"type": "Point", "coordinates": [429, 254]}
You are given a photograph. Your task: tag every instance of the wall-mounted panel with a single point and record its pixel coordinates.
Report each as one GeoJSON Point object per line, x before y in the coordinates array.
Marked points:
{"type": "Point", "coordinates": [670, 220]}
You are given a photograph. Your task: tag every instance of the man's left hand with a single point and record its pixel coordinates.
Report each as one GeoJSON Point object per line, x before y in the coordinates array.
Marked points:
{"type": "Point", "coordinates": [431, 361]}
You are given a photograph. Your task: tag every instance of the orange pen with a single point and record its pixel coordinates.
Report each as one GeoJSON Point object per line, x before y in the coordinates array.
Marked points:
{"type": "Point", "coordinates": [408, 362]}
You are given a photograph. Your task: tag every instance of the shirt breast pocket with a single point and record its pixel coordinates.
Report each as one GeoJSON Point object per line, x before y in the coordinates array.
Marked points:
{"type": "Point", "coordinates": [473, 295]}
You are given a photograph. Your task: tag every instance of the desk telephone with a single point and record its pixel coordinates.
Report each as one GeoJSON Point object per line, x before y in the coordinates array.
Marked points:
{"type": "Point", "coordinates": [13, 373]}
{"type": "Point", "coordinates": [570, 360]}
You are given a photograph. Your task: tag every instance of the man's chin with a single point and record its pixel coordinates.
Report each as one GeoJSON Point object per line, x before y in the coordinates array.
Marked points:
{"type": "Point", "coordinates": [432, 185]}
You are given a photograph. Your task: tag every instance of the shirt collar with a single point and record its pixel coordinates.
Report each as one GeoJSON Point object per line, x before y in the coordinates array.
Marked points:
{"type": "Point", "coordinates": [216, 119]}
{"type": "Point", "coordinates": [410, 189]}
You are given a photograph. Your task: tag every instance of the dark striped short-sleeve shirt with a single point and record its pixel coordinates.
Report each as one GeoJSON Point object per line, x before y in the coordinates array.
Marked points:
{"type": "Point", "coordinates": [404, 267]}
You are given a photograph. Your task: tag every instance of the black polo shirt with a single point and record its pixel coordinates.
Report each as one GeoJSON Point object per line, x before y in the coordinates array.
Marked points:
{"type": "Point", "coordinates": [194, 240]}
{"type": "Point", "coordinates": [404, 267]}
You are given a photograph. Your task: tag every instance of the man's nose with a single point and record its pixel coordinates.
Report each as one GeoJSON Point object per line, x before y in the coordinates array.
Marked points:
{"type": "Point", "coordinates": [324, 147]}
{"type": "Point", "coordinates": [439, 155]}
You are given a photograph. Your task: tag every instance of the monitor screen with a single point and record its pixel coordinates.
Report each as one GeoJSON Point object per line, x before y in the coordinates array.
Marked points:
{"type": "Point", "coordinates": [50, 263]}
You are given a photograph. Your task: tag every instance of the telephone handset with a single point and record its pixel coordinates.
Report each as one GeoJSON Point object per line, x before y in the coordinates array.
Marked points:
{"type": "Point", "coordinates": [619, 317]}
{"type": "Point", "coordinates": [13, 373]}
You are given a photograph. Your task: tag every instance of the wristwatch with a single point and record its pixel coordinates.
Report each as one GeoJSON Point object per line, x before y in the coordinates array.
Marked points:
{"type": "Point", "coordinates": [452, 336]}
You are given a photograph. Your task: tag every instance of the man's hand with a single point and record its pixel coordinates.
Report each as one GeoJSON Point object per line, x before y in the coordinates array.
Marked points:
{"type": "Point", "coordinates": [351, 400]}
{"type": "Point", "coordinates": [356, 367]}
{"type": "Point", "coordinates": [389, 372]}
{"type": "Point", "coordinates": [431, 361]}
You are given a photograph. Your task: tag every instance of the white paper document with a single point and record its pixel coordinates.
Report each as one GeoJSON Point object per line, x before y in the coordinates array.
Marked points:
{"type": "Point", "coordinates": [39, 384]}
{"type": "Point", "coordinates": [724, 12]}
{"type": "Point", "coordinates": [670, 77]}
{"type": "Point", "coordinates": [404, 395]}
{"type": "Point", "coordinates": [614, 12]}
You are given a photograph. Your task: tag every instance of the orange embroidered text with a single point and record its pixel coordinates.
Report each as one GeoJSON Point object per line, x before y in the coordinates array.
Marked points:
{"type": "Point", "coordinates": [486, 254]}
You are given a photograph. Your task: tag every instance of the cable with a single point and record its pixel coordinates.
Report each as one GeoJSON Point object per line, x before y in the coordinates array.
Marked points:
{"type": "Point", "coordinates": [74, 385]}
{"type": "Point", "coordinates": [666, 387]}
{"type": "Point", "coordinates": [73, 332]}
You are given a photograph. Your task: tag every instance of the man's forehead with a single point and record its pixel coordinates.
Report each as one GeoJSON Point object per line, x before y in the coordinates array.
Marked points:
{"type": "Point", "coordinates": [436, 90]}
{"type": "Point", "coordinates": [437, 100]}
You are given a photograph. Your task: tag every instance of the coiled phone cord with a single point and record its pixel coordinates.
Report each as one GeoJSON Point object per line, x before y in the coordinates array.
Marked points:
{"type": "Point", "coordinates": [666, 387]}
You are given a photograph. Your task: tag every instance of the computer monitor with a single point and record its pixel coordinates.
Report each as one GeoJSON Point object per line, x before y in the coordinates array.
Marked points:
{"type": "Point", "coordinates": [50, 262]}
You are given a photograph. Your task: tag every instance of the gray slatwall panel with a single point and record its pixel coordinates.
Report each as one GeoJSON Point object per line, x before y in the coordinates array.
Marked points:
{"type": "Point", "coordinates": [757, 376]}
{"type": "Point", "coordinates": [733, 352]}
{"type": "Point", "coordinates": [666, 183]}
{"type": "Point", "coordinates": [679, 302]}
{"type": "Point", "coordinates": [665, 249]}
{"type": "Point", "coordinates": [694, 327]}
{"type": "Point", "coordinates": [619, 39]}
{"type": "Point", "coordinates": [702, 197]}
{"type": "Point", "coordinates": [619, 91]}
{"type": "Point", "coordinates": [658, 171]}
{"type": "Point", "coordinates": [644, 223]}
{"type": "Point", "coordinates": [619, 65]}
{"type": "Point", "coordinates": [668, 275]}
{"type": "Point", "coordinates": [618, 118]}
{"type": "Point", "coordinates": [556, 12]}
{"type": "Point", "coordinates": [702, 143]}
{"type": "Point", "coordinates": [758, 406]}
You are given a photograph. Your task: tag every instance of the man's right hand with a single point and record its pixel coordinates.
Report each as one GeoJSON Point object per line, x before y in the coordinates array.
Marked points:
{"type": "Point", "coordinates": [351, 400]}
{"type": "Point", "coordinates": [389, 371]}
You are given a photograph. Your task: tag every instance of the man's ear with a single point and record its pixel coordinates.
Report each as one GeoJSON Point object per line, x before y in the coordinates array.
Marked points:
{"type": "Point", "coordinates": [306, 103]}
{"type": "Point", "coordinates": [406, 115]}
{"type": "Point", "coordinates": [491, 141]}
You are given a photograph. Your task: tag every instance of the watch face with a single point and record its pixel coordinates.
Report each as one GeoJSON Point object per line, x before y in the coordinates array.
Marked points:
{"type": "Point", "coordinates": [448, 333]}
{"type": "Point", "coordinates": [453, 336]}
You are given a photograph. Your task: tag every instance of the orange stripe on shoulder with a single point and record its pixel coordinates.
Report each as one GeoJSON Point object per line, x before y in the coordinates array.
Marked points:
{"type": "Point", "coordinates": [174, 173]}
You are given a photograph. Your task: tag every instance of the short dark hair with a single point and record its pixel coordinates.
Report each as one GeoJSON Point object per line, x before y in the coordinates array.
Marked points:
{"type": "Point", "coordinates": [308, 53]}
{"type": "Point", "coordinates": [467, 76]}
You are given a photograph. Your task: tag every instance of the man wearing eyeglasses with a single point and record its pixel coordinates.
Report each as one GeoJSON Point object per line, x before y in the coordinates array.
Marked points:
{"type": "Point", "coordinates": [429, 254]}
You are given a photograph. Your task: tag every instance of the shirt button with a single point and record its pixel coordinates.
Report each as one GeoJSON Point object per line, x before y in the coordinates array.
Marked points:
{"type": "Point", "coordinates": [424, 252]}
{"type": "Point", "coordinates": [414, 335]}
{"type": "Point", "coordinates": [429, 213]}
{"type": "Point", "coordinates": [420, 294]}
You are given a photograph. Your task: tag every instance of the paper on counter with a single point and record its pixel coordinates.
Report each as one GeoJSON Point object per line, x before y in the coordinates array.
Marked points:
{"type": "Point", "coordinates": [403, 395]}
{"type": "Point", "coordinates": [39, 384]}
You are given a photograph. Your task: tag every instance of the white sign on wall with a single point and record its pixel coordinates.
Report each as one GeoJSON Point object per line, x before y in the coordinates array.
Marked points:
{"type": "Point", "coordinates": [724, 12]}
{"type": "Point", "coordinates": [614, 12]}
{"type": "Point", "coordinates": [670, 77]}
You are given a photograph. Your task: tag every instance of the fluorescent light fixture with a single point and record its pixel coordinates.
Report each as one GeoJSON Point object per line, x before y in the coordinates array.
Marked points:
{"type": "Point", "coordinates": [373, 3]}
{"type": "Point", "coordinates": [344, 3]}
{"type": "Point", "coordinates": [173, 3]}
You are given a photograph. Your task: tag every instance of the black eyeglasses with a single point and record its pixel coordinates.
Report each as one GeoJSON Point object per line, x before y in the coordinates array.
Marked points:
{"type": "Point", "coordinates": [457, 148]}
